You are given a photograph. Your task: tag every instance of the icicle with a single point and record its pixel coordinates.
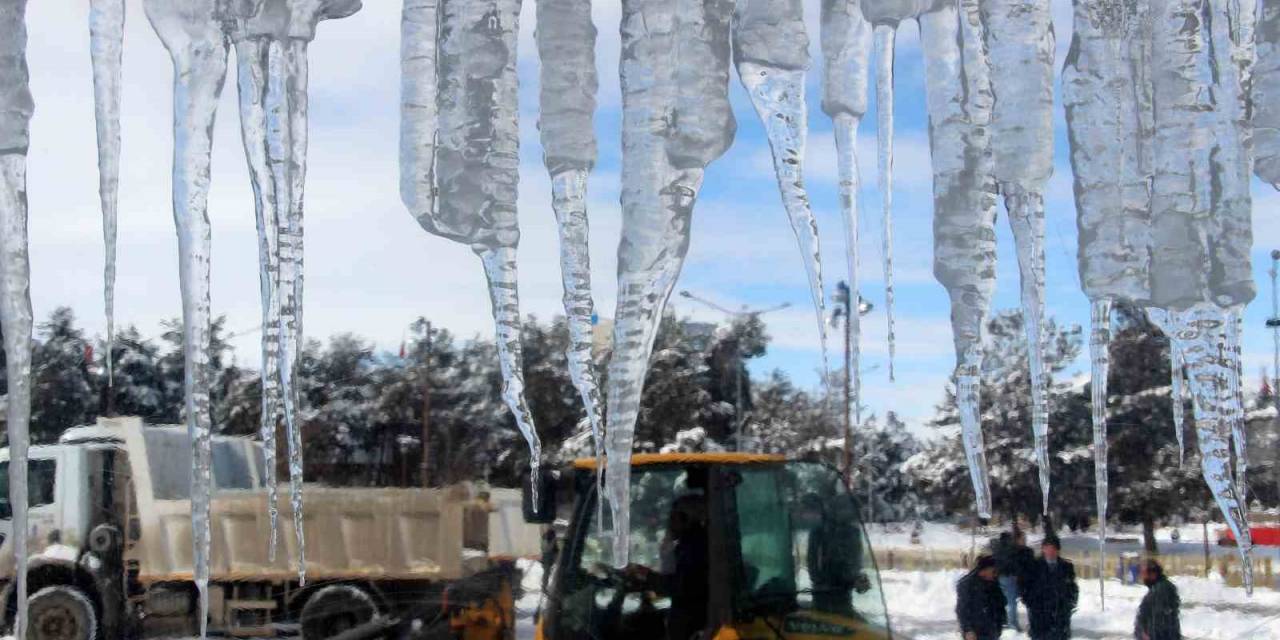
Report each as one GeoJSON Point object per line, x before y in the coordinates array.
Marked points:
{"type": "Point", "coordinates": [106, 39]}
{"type": "Point", "coordinates": [460, 152]}
{"type": "Point", "coordinates": [674, 64]}
{"type": "Point", "coordinates": [1196, 332]}
{"type": "Point", "coordinates": [885, 36]}
{"type": "Point", "coordinates": [271, 51]}
{"type": "Point", "coordinates": [1265, 92]}
{"type": "Point", "coordinates": [1178, 396]}
{"type": "Point", "coordinates": [566, 48]}
{"type": "Point", "coordinates": [500, 271]}
{"type": "Point", "coordinates": [1160, 318]}
{"type": "Point", "coordinates": [199, 52]}
{"type": "Point", "coordinates": [286, 150]}
{"type": "Point", "coordinates": [15, 278]}
{"type": "Point", "coordinates": [252, 59]}
{"type": "Point", "coordinates": [1019, 40]}
{"type": "Point", "coordinates": [959, 102]}
{"type": "Point", "coordinates": [1233, 398]}
{"type": "Point", "coordinates": [771, 52]}
{"type": "Point", "coordinates": [1100, 364]}
{"type": "Point", "coordinates": [846, 47]}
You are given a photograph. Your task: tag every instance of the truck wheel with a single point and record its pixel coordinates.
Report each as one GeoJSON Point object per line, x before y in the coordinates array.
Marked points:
{"type": "Point", "coordinates": [334, 609]}
{"type": "Point", "coordinates": [61, 612]}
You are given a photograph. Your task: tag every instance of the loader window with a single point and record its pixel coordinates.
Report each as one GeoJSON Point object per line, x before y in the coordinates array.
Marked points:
{"type": "Point", "coordinates": [650, 599]}
{"type": "Point", "coordinates": [41, 480]}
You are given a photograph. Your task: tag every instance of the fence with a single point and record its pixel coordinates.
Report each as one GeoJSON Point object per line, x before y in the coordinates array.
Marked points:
{"type": "Point", "coordinates": [1266, 571]}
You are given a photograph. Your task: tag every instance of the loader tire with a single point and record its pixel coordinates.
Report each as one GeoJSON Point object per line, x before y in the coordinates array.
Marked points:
{"type": "Point", "coordinates": [334, 609]}
{"type": "Point", "coordinates": [61, 612]}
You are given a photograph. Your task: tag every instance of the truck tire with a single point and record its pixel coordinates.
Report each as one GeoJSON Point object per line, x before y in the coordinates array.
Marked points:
{"type": "Point", "coordinates": [334, 609]}
{"type": "Point", "coordinates": [61, 612]}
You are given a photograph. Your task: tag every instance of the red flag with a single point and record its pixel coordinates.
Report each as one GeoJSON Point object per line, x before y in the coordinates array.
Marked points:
{"type": "Point", "coordinates": [88, 354]}
{"type": "Point", "coordinates": [402, 350]}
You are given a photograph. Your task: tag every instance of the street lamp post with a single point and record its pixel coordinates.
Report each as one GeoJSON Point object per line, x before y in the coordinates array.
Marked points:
{"type": "Point", "coordinates": [852, 415]}
{"type": "Point", "coordinates": [735, 317]}
{"type": "Point", "coordinates": [1274, 324]}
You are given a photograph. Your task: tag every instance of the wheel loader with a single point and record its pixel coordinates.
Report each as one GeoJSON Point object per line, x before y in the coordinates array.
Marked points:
{"type": "Point", "coordinates": [723, 546]}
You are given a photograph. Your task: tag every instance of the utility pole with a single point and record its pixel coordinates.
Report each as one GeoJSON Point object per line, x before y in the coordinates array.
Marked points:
{"type": "Point", "coordinates": [1274, 324]}
{"type": "Point", "coordinates": [423, 371]}
{"type": "Point", "coordinates": [852, 410]}
{"type": "Point", "coordinates": [735, 317]}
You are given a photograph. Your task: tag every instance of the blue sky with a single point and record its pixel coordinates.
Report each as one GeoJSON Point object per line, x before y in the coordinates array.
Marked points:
{"type": "Point", "coordinates": [370, 269]}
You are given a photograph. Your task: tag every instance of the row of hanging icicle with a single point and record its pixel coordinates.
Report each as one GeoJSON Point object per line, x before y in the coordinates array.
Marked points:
{"type": "Point", "coordinates": [1172, 106]}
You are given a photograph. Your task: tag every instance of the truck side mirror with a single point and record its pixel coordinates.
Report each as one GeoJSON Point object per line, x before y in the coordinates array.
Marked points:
{"type": "Point", "coordinates": [543, 511]}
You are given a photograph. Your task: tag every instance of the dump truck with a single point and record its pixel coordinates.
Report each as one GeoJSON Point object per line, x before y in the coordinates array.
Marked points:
{"type": "Point", "coordinates": [110, 547]}
{"type": "Point", "coordinates": [726, 546]}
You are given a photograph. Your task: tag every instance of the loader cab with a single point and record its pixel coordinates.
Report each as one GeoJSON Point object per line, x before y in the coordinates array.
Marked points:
{"type": "Point", "coordinates": [727, 545]}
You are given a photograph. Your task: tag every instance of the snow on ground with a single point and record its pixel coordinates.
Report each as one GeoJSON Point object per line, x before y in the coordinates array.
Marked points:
{"type": "Point", "coordinates": [921, 607]}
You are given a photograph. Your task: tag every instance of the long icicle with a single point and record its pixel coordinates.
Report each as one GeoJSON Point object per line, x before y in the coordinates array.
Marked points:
{"type": "Point", "coordinates": [566, 40]}
{"type": "Point", "coordinates": [1018, 35]}
{"type": "Point", "coordinates": [16, 108]}
{"type": "Point", "coordinates": [1026, 216]}
{"type": "Point", "coordinates": [1100, 365]}
{"type": "Point", "coordinates": [106, 46]}
{"type": "Point", "coordinates": [253, 68]}
{"type": "Point", "coordinates": [199, 52]}
{"type": "Point", "coordinates": [959, 100]}
{"type": "Point", "coordinates": [478, 169]}
{"type": "Point", "coordinates": [885, 37]}
{"type": "Point", "coordinates": [771, 54]}
{"type": "Point", "coordinates": [286, 145]}
{"type": "Point", "coordinates": [1177, 396]}
{"type": "Point", "coordinates": [1197, 331]}
{"type": "Point", "coordinates": [846, 47]}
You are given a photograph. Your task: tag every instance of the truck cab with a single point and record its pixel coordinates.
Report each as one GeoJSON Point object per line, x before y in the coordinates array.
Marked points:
{"type": "Point", "coordinates": [728, 545]}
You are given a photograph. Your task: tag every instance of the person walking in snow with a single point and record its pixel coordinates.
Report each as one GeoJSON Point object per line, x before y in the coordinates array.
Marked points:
{"type": "Point", "coordinates": [979, 604]}
{"type": "Point", "coordinates": [1013, 558]}
{"type": "Point", "coordinates": [1050, 592]}
{"type": "Point", "coordinates": [1159, 611]}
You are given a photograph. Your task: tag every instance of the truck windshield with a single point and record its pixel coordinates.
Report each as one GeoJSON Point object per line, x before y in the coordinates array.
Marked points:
{"type": "Point", "coordinates": [169, 457]}
{"type": "Point", "coordinates": [41, 477]}
{"type": "Point", "coordinates": [803, 545]}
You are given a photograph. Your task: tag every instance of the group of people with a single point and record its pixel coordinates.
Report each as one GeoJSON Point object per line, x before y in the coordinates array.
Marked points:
{"type": "Point", "coordinates": [987, 597]}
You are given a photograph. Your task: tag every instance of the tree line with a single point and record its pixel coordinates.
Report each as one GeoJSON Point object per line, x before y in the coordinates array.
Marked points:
{"type": "Point", "coordinates": [363, 410]}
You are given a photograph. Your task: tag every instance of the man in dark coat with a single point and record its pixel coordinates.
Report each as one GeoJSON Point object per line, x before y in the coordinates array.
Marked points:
{"type": "Point", "coordinates": [979, 604]}
{"type": "Point", "coordinates": [1049, 589]}
{"type": "Point", "coordinates": [1158, 614]}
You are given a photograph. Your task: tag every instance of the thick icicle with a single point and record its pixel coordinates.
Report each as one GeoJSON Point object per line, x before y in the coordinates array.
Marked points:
{"type": "Point", "coordinates": [1020, 43]}
{"type": "Point", "coordinates": [1200, 208]}
{"type": "Point", "coordinates": [1100, 365]}
{"type": "Point", "coordinates": [15, 278]}
{"type": "Point", "coordinates": [1265, 90]}
{"type": "Point", "coordinates": [271, 47]}
{"type": "Point", "coordinates": [106, 46]}
{"type": "Point", "coordinates": [460, 152]}
{"type": "Point", "coordinates": [1196, 332]}
{"type": "Point", "coordinates": [958, 93]}
{"type": "Point", "coordinates": [885, 36]}
{"type": "Point", "coordinates": [846, 48]}
{"type": "Point", "coordinates": [566, 48]}
{"type": "Point", "coordinates": [674, 69]}
{"type": "Point", "coordinates": [771, 52]}
{"type": "Point", "coordinates": [252, 59]}
{"type": "Point", "coordinates": [198, 48]}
